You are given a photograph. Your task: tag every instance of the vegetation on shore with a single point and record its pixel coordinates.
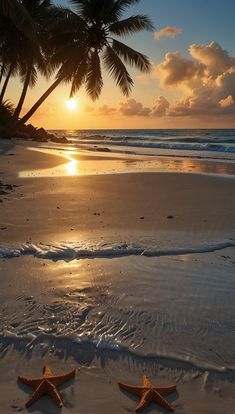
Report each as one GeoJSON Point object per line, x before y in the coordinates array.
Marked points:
{"type": "Point", "coordinates": [66, 45]}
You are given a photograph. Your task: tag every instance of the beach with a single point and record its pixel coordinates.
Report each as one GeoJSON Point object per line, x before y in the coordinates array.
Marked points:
{"type": "Point", "coordinates": [118, 266]}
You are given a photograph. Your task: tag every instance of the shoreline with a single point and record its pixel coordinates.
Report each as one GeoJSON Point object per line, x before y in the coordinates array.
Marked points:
{"type": "Point", "coordinates": [54, 161]}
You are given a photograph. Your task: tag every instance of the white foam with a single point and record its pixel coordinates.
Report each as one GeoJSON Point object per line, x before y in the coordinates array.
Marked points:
{"type": "Point", "coordinates": [71, 251]}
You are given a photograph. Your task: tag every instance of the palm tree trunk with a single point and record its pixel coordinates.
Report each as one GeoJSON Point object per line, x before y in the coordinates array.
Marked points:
{"type": "Point", "coordinates": [23, 94]}
{"type": "Point", "coordinates": [2, 71]}
{"type": "Point", "coordinates": [5, 84]}
{"type": "Point", "coordinates": [40, 101]}
{"type": "Point", "coordinates": [13, 121]}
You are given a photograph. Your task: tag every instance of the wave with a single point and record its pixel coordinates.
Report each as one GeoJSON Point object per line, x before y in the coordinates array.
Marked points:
{"type": "Point", "coordinates": [71, 251]}
{"type": "Point", "coordinates": [84, 350]}
{"type": "Point", "coordinates": [183, 145]}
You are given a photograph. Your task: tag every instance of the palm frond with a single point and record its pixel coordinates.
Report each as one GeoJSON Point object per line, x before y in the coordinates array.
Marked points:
{"type": "Point", "coordinates": [84, 8]}
{"type": "Point", "coordinates": [118, 71]}
{"type": "Point", "coordinates": [6, 112]}
{"type": "Point", "coordinates": [94, 81]}
{"type": "Point", "coordinates": [79, 76]}
{"type": "Point", "coordinates": [131, 25]}
{"type": "Point", "coordinates": [33, 77]}
{"type": "Point", "coordinates": [20, 17]}
{"type": "Point", "coordinates": [131, 56]}
{"type": "Point", "coordinates": [115, 11]}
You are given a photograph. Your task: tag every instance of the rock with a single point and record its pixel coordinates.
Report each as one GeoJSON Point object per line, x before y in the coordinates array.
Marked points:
{"type": "Point", "coordinates": [60, 140]}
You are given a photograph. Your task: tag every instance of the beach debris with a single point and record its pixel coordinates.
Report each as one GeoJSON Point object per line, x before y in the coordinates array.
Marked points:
{"type": "Point", "coordinates": [149, 393]}
{"type": "Point", "coordinates": [5, 190]}
{"type": "Point", "coordinates": [46, 385]}
{"type": "Point", "coordinates": [170, 217]}
{"type": "Point", "coordinates": [142, 218]}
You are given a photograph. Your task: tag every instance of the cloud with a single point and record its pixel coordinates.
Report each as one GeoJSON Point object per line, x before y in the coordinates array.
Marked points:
{"type": "Point", "coordinates": [176, 69]}
{"type": "Point", "coordinates": [168, 31]}
{"type": "Point", "coordinates": [226, 102]}
{"type": "Point", "coordinates": [206, 80]}
{"type": "Point", "coordinates": [134, 108]}
{"type": "Point", "coordinates": [215, 59]}
{"type": "Point", "coordinates": [161, 106]}
{"type": "Point", "coordinates": [106, 110]}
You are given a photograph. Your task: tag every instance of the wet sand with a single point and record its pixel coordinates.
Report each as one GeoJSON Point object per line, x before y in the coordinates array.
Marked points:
{"type": "Point", "coordinates": [177, 210]}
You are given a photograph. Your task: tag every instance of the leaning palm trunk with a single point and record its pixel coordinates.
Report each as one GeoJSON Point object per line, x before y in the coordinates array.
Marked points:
{"type": "Point", "coordinates": [13, 121]}
{"type": "Point", "coordinates": [40, 101]}
{"type": "Point", "coordinates": [6, 83]}
{"type": "Point", "coordinates": [2, 71]}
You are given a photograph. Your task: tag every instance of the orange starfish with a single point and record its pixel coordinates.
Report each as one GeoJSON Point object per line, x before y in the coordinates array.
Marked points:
{"type": "Point", "coordinates": [46, 385]}
{"type": "Point", "coordinates": [148, 393]}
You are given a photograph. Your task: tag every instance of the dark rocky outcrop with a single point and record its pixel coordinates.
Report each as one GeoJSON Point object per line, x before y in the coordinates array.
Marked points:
{"type": "Point", "coordinates": [37, 134]}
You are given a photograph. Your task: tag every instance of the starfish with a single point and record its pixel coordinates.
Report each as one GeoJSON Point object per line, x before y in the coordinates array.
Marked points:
{"type": "Point", "coordinates": [148, 393]}
{"type": "Point", "coordinates": [46, 385]}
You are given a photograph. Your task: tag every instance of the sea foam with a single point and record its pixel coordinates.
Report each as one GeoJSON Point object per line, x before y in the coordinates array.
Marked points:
{"type": "Point", "coordinates": [72, 251]}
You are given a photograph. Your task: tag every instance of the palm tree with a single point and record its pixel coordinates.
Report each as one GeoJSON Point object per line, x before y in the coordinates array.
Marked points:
{"type": "Point", "coordinates": [9, 40]}
{"type": "Point", "coordinates": [30, 57]}
{"type": "Point", "coordinates": [84, 36]}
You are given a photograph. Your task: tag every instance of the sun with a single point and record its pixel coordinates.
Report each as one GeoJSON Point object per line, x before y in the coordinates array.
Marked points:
{"type": "Point", "coordinates": [71, 104]}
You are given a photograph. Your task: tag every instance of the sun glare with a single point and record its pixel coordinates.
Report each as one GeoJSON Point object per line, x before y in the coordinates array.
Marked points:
{"type": "Point", "coordinates": [71, 104]}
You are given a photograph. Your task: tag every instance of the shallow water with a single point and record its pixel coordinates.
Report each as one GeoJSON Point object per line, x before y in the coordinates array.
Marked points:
{"type": "Point", "coordinates": [75, 165]}
{"type": "Point", "coordinates": [179, 307]}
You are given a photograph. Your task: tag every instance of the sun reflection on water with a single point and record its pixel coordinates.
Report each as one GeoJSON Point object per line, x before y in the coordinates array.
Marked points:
{"type": "Point", "coordinates": [72, 167]}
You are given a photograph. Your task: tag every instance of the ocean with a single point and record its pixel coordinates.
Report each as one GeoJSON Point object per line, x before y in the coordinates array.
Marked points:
{"type": "Point", "coordinates": [211, 143]}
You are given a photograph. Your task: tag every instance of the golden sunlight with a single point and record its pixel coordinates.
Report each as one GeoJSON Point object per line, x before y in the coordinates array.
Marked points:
{"type": "Point", "coordinates": [71, 104]}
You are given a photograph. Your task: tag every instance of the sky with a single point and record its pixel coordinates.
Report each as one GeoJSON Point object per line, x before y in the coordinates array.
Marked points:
{"type": "Point", "coordinates": [191, 85]}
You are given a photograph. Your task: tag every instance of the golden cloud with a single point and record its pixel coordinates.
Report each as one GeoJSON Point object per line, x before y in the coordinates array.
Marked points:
{"type": "Point", "coordinates": [207, 80]}
{"type": "Point", "coordinates": [168, 31]}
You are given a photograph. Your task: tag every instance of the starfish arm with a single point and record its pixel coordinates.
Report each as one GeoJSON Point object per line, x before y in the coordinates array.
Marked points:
{"type": "Point", "coordinates": [144, 402]}
{"type": "Point", "coordinates": [52, 391]}
{"type": "Point", "coordinates": [134, 390]}
{"type": "Point", "coordinates": [165, 390]}
{"type": "Point", "coordinates": [47, 371]}
{"type": "Point", "coordinates": [39, 392]}
{"type": "Point", "coordinates": [161, 401]}
{"type": "Point", "coordinates": [32, 382]}
{"type": "Point", "coordinates": [60, 379]}
{"type": "Point", "coordinates": [146, 382]}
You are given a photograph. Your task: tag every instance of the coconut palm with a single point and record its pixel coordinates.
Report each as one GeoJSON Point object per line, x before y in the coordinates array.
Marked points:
{"type": "Point", "coordinates": [29, 57]}
{"type": "Point", "coordinates": [88, 34]}
{"type": "Point", "coordinates": [9, 45]}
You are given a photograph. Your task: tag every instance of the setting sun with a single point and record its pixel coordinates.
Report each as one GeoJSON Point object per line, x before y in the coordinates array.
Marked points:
{"type": "Point", "coordinates": [71, 104]}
